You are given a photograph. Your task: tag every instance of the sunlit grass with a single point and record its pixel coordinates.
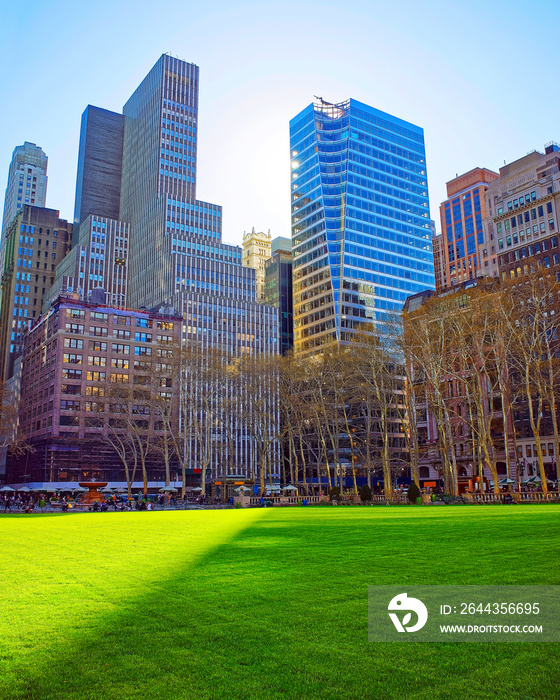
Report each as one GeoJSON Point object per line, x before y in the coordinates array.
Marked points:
{"type": "Point", "coordinates": [263, 603]}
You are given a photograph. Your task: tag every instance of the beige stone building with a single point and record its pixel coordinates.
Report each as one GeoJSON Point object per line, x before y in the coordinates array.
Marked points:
{"type": "Point", "coordinates": [257, 249]}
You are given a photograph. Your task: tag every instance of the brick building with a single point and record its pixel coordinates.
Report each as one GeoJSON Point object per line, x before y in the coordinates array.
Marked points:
{"type": "Point", "coordinates": [91, 371]}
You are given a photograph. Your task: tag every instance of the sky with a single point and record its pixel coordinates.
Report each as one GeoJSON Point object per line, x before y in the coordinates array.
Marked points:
{"type": "Point", "coordinates": [481, 79]}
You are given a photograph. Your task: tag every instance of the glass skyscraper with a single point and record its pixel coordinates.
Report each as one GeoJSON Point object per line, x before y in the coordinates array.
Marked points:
{"type": "Point", "coordinates": [360, 219]}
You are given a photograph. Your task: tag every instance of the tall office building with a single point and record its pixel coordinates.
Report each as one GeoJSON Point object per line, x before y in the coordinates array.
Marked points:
{"type": "Point", "coordinates": [27, 181]}
{"type": "Point", "coordinates": [98, 183]}
{"type": "Point", "coordinates": [34, 243]}
{"type": "Point", "coordinates": [360, 219]}
{"type": "Point", "coordinates": [463, 252]}
{"type": "Point", "coordinates": [175, 251]}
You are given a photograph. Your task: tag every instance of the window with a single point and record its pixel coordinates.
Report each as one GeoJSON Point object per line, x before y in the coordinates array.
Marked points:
{"type": "Point", "coordinates": [94, 407]}
{"type": "Point", "coordinates": [95, 391]}
{"type": "Point", "coordinates": [71, 373]}
{"type": "Point", "coordinates": [121, 320]}
{"type": "Point", "coordinates": [120, 333]}
{"type": "Point", "coordinates": [98, 345]}
{"type": "Point", "coordinates": [69, 405]}
{"type": "Point", "coordinates": [69, 420]}
{"type": "Point", "coordinates": [74, 343]}
{"type": "Point", "coordinates": [70, 389]}
{"type": "Point", "coordinates": [140, 410]}
{"type": "Point", "coordinates": [141, 350]}
{"type": "Point", "coordinates": [142, 380]}
{"type": "Point", "coordinates": [143, 323]}
{"type": "Point", "coordinates": [142, 366]}
{"type": "Point", "coordinates": [97, 361]}
{"type": "Point", "coordinates": [120, 349]}
{"type": "Point", "coordinates": [119, 378]}
{"type": "Point", "coordinates": [72, 359]}
{"type": "Point", "coordinates": [95, 376]}
{"type": "Point", "coordinates": [119, 363]}
{"type": "Point", "coordinates": [98, 330]}
{"type": "Point", "coordinates": [75, 313]}
{"type": "Point", "coordinates": [165, 339]}
{"type": "Point", "coordinates": [98, 316]}
{"type": "Point", "coordinates": [143, 337]}
{"type": "Point", "coordinates": [73, 327]}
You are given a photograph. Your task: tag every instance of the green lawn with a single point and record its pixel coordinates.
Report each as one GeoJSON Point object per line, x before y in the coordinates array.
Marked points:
{"type": "Point", "coordinates": [262, 603]}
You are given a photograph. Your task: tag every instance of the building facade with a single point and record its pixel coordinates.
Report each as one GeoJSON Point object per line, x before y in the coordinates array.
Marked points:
{"type": "Point", "coordinates": [361, 230]}
{"type": "Point", "coordinates": [27, 181]}
{"type": "Point", "coordinates": [464, 254]}
{"type": "Point", "coordinates": [278, 290]}
{"type": "Point", "coordinates": [76, 356]}
{"type": "Point", "coordinates": [97, 263]}
{"type": "Point", "coordinates": [257, 249]}
{"type": "Point", "coordinates": [35, 242]}
{"type": "Point", "coordinates": [175, 252]}
{"type": "Point", "coordinates": [524, 214]}
{"type": "Point", "coordinates": [98, 182]}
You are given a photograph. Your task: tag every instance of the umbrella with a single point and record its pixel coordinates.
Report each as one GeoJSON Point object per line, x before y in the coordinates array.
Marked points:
{"type": "Point", "coordinates": [167, 489]}
{"type": "Point", "coordinates": [79, 489]}
{"type": "Point", "coordinates": [242, 488]}
{"type": "Point", "coordinates": [289, 488]}
{"type": "Point", "coordinates": [7, 488]}
{"type": "Point", "coordinates": [198, 488]}
{"type": "Point", "coordinates": [51, 489]}
{"type": "Point", "coordinates": [507, 480]}
{"type": "Point", "coordinates": [107, 489]}
{"type": "Point", "coordinates": [24, 489]}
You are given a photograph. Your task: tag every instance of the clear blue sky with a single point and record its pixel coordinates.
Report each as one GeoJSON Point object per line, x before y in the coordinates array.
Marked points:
{"type": "Point", "coordinates": [480, 77]}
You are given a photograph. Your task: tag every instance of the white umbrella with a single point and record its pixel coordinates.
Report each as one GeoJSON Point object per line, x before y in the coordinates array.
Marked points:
{"type": "Point", "coordinates": [7, 488]}
{"type": "Point", "coordinates": [198, 488]}
{"type": "Point", "coordinates": [242, 488]}
{"type": "Point", "coordinates": [289, 488]}
{"type": "Point", "coordinates": [24, 489]}
{"type": "Point", "coordinates": [167, 489]}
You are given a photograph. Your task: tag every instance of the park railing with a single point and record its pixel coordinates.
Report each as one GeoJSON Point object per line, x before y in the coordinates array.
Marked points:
{"type": "Point", "coordinates": [517, 497]}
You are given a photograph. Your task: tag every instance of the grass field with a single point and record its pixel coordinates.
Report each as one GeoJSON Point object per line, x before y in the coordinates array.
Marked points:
{"type": "Point", "coordinates": [261, 603]}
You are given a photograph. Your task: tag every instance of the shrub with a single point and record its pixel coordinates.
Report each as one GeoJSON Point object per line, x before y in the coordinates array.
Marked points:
{"type": "Point", "coordinates": [413, 492]}
{"type": "Point", "coordinates": [365, 493]}
{"type": "Point", "coordinates": [334, 493]}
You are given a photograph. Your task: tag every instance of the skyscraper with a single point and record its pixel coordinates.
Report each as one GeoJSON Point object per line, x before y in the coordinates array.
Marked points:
{"type": "Point", "coordinates": [34, 243]}
{"type": "Point", "coordinates": [98, 184]}
{"type": "Point", "coordinates": [257, 249]}
{"type": "Point", "coordinates": [27, 181]}
{"type": "Point", "coordinates": [464, 254]}
{"type": "Point", "coordinates": [360, 219]}
{"type": "Point", "coordinates": [175, 250]}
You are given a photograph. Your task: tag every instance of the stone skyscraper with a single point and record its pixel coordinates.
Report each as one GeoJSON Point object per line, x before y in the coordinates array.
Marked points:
{"type": "Point", "coordinates": [27, 181]}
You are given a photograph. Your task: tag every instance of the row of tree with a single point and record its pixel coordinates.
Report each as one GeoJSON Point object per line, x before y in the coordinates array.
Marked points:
{"type": "Point", "coordinates": [478, 364]}
{"type": "Point", "coordinates": [484, 362]}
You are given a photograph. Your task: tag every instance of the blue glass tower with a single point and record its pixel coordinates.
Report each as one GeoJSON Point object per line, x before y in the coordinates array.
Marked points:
{"type": "Point", "coordinates": [360, 219]}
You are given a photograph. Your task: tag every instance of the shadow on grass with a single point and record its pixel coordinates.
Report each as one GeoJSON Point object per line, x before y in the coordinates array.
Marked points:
{"type": "Point", "coordinates": [279, 610]}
